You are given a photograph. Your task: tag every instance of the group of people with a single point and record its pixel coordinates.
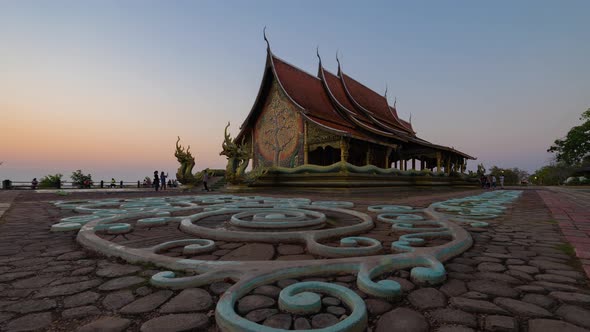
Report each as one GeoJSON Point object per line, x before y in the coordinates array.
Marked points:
{"type": "Point", "coordinates": [160, 181]}
{"type": "Point", "coordinates": [489, 181]}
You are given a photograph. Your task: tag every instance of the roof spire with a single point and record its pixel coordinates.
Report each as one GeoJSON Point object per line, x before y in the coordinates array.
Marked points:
{"type": "Point", "coordinates": [410, 119]}
{"type": "Point", "coordinates": [394, 101]}
{"type": "Point", "coordinates": [317, 52]}
{"type": "Point", "coordinates": [385, 91]}
{"type": "Point", "coordinates": [265, 39]}
{"type": "Point", "coordinates": [338, 60]}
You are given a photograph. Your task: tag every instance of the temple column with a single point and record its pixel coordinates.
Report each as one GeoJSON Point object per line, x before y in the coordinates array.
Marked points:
{"type": "Point", "coordinates": [343, 149]}
{"type": "Point", "coordinates": [413, 164]}
{"type": "Point", "coordinates": [438, 162]}
{"type": "Point", "coordinates": [405, 165]}
{"type": "Point", "coordinates": [463, 166]}
{"type": "Point", "coordinates": [387, 152]}
{"type": "Point", "coordinates": [448, 165]}
{"type": "Point", "coordinates": [422, 164]}
{"type": "Point", "coordinates": [305, 146]}
{"type": "Point", "coordinates": [369, 156]}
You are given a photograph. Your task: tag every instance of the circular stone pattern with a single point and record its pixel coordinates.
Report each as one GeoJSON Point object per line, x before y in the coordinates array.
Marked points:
{"type": "Point", "coordinates": [278, 218]}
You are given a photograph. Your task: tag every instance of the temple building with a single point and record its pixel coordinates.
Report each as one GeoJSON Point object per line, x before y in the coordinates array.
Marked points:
{"type": "Point", "coordinates": [303, 119]}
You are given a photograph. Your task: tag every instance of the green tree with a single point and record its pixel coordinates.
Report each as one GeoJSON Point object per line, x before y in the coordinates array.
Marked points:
{"type": "Point", "coordinates": [81, 180]}
{"type": "Point", "coordinates": [575, 147]}
{"type": "Point", "coordinates": [550, 175]}
{"type": "Point", "coordinates": [50, 181]}
{"type": "Point", "coordinates": [512, 176]}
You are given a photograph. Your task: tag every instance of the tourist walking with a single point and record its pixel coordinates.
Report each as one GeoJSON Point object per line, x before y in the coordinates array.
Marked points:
{"type": "Point", "coordinates": [163, 180]}
{"type": "Point", "coordinates": [34, 183]}
{"type": "Point", "coordinates": [493, 182]}
{"type": "Point", "coordinates": [502, 181]}
{"type": "Point", "coordinates": [156, 181]}
{"type": "Point", "coordinates": [206, 179]}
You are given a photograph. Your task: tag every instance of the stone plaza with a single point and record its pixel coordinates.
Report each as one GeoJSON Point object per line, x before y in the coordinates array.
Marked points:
{"type": "Point", "coordinates": [522, 269]}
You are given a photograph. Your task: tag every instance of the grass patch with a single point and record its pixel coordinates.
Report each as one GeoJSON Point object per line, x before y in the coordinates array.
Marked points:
{"type": "Point", "coordinates": [567, 249]}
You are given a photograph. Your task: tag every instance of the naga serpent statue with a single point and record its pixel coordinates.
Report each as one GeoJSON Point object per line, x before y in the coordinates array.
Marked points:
{"type": "Point", "coordinates": [187, 162]}
{"type": "Point", "coordinates": [238, 157]}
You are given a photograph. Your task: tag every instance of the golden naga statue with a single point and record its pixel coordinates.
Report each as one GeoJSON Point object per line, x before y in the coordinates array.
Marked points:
{"type": "Point", "coordinates": [238, 158]}
{"type": "Point", "coordinates": [184, 174]}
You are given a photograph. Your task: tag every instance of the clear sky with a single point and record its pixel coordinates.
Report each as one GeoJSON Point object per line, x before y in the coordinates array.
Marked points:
{"type": "Point", "coordinates": [107, 86]}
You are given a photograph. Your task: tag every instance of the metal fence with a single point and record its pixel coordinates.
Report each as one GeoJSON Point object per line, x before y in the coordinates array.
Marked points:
{"type": "Point", "coordinates": [24, 185]}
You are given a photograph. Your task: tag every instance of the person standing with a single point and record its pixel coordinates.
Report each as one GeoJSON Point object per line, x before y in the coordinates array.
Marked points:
{"type": "Point", "coordinates": [34, 183]}
{"type": "Point", "coordinates": [113, 183]}
{"type": "Point", "coordinates": [156, 181]}
{"type": "Point", "coordinates": [493, 182]}
{"type": "Point", "coordinates": [502, 181]}
{"type": "Point", "coordinates": [163, 180]}
{"type": "Point", "coordinates": [206, 178]}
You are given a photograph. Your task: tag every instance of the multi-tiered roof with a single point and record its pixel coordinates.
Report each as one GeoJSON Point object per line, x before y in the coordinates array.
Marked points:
{"type": "Point", "coordinates": [339, 104]}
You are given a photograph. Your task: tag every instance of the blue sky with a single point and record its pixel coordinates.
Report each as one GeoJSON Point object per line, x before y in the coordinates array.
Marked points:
{"type": "Point", "coordinates": [107, 86]}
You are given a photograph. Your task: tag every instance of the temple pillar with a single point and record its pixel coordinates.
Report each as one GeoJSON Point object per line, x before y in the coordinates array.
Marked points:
{"type": "Point", "coordinates": [343, 149]}
{"type": "Point", "coordinates": [387, 153]}
{"type": "Point", "coordinates": [405, 165]}
{"type": "Point", "coordinates": [463, 166]}
{"type": "Point", "coordinates": [369, 156]}
{"type": "Point", "coordinates": [448, 165]}
{"type": "Point", "coordinates": [422, 164]}
{"type": "Point", "coordinates": [438, 162]}
{"type": "Point", "coordinates": [413, 164]}
{"type": "Point", "coordinates": [305, 146]}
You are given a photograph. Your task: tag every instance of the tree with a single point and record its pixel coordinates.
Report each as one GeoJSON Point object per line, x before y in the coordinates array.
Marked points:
{"type": "Point", "coordinates": [81, 180]}
{"type": "Point", "coordinates": [575, 147]}
{"type": "Point", "coordinates": [511, 175]}
{"type": "Point", "coordinates": [279, 134]}
{"type": "Point", "coordinates": [553, 174]}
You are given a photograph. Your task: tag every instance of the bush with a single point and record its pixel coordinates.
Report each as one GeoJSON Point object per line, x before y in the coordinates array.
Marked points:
{"type": "Point", "coordinates": [50, 181]}
{"type": "Point", "coordinates": [81, 180]}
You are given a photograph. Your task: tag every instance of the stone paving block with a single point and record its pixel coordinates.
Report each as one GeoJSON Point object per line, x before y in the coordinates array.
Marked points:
{"type": "Point", "coordinates": [497, 323]}
{"type": "Point", "coordinates": [30, 322]}
{"type": "Point", "coordinates": [147, 303]}
{"type": "Point", "coordinates": [192, 299]}
{"type": "Point", "coordinates": [574, 314]}
{"type": "Point", "coordinates": [521, 308]}
{"type": "Point", "coordinates": [176, 322]}
{"type": "Point", "coordinates": [550, 325]}
{"type": "Point", "coordinates": [106, 324]}
{"type": "Point", "coordinates": [402, 320]}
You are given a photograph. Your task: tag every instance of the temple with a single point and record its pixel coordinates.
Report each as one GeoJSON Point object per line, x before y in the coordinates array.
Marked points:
{"type": "Point", "coordinates": [301, 119]}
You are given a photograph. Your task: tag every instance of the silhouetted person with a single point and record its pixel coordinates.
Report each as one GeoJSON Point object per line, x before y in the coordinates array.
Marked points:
{"type": "Point", "coordinates": [163, 180]}
{"type": "Point", "coordinates": [34, 183]}
{"type": "Point", "coordinates": [206, 179]}
{"type": "Point", "coordinates": [156, 180]}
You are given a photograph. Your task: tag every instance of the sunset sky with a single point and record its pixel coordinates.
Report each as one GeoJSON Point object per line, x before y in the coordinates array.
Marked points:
{"type": "Point", "coordinates": [107, 86]}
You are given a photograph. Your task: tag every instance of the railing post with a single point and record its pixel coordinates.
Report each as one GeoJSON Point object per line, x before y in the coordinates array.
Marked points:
{"type": "Point", "coordinates": [101, 184]}
{"type": "Point", "coordinates": [58, 184]}
{"type": "Point", "coordinates": [138, 184]}
{"type": "Point", "coordinates": [121, 183]}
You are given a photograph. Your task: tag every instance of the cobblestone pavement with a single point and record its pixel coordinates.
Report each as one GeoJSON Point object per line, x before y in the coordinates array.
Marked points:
{"type": "Point", "coordinates": [520, 275]}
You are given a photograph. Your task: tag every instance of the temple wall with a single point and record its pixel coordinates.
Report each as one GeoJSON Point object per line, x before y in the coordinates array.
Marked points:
{"type": "Point", "coordinates": [278, 132]}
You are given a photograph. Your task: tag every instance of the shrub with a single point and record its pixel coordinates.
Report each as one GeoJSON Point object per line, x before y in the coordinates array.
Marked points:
{"type": "Point", "coordinates": [50, 181]}
{"type": "Point", "coordinates": [81, 180]}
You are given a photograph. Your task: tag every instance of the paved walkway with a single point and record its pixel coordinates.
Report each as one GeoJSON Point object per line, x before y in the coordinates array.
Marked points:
{"type": "Point", "coordinates": [570, 207]}
{"type": "Point", "coordinates": [518, 276]}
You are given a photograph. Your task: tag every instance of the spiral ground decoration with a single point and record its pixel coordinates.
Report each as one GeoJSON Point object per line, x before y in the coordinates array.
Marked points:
{"type": "Point", "coordinates": [421, 239]}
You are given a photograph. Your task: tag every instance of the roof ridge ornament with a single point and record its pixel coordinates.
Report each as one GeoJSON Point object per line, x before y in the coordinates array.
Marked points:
{"type": "Point", "coordinates": [265, 39]}
{"type": "Point", "coordinates": [394, 101]}
{"type": "Point", "coordinates": [385, 91]}
{"type": "Point", "coordinates": [338, 60]}
{"type": "Point", "coordinates": [317, 52]}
